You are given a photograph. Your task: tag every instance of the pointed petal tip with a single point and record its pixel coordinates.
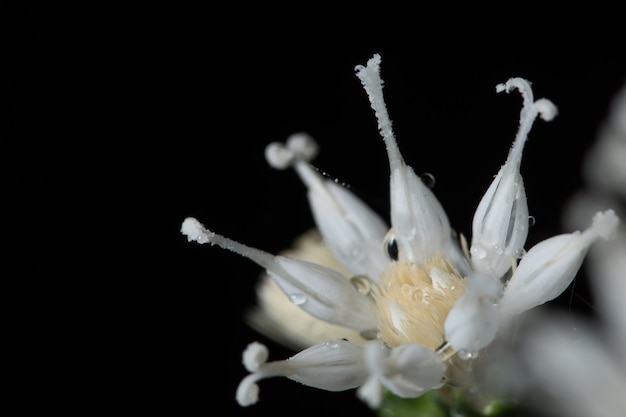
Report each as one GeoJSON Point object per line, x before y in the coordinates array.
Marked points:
{"type": "Point", "coordinates": [254, 356]}
{"type": "Point", "coordinates": [195, 231]}
{"type": "Point", "coordinates": [604, 224]}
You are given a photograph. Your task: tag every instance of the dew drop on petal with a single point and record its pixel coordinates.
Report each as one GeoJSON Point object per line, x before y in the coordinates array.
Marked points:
{"type": "Point", "coordinates": [478, 252]}
{"type": "Point", "coordinates": [428, 179]}
{"type": "Point", "coordinates": [332, 344]}
{"type": "Point", "coordinates": [465, 355]}
{"type": "Point", "coordinates": [520, 253]}
{"type": "Point", "coordinates": [297, 298]}
{"type": "Point", "coordinates": [357, 254]}
{"type": "Point", "coordinates": [369, 334]}
{"type": "Point", "coordinates": [390, 245]}
{"type": "Point", "coordinates": [361, 283]}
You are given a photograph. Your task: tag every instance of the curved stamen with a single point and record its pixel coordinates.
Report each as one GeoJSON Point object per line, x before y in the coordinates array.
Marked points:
{"type": "Point", "coordinates": [530, 110]}
{"type": "Point", "coordinates": [334, 365]}
{"type": "Point", "coordinates": [500, 224]}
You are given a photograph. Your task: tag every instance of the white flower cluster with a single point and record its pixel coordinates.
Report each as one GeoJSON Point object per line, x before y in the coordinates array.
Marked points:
{"type": "Point", "coordinates": [421, 303]}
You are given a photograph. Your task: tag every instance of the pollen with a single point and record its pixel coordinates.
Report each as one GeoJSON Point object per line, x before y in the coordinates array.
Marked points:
{"type": "Point", "coordinates": [414, 300]}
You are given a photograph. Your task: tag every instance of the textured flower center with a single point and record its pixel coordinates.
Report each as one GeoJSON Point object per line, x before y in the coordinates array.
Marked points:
{"type": "Point", "coordinates": [413, 301]}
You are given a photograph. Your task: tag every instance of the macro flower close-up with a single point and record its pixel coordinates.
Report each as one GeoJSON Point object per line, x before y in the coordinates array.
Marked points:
{"type": "Point", "coordinates": [403, 305]}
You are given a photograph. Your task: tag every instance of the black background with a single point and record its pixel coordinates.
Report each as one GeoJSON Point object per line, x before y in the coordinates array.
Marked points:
{"type": "Point", "coordinates": [121, 123]}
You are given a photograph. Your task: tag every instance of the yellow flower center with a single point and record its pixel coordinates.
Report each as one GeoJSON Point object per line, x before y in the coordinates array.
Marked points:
{"type": "Point", "coordinates": [413, 301]}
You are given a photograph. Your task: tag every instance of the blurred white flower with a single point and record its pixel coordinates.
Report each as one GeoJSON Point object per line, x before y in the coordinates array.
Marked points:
{"type": "Point", "coordinates": [411, 305]}
{"type": "Point", "coordinates": [579, 363]}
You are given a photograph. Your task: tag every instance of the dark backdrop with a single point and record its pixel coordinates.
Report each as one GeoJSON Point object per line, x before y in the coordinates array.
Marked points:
{"type": "Point", "coordinates": [123, 122]}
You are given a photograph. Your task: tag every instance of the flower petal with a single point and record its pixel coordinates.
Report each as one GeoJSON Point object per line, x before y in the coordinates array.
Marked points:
{"type": "Point", "coordinates": [421, 225]}
{"type": "Point", "coordinates": [320, 291]}
{"type": "Point", "coordinates": [550, 266]}
{"type": "Point", "coordinates": [411, 370]}
{"type": "Point", "coordinates": [500, 224]}
{"type": "Point", "coordinates": [574, 368]}
{"type": "Point", "coordinates": [323, 293]}
{"type": "Point", "coordinates": [408, 371]}
{"type": "Point", "coordinates": [352, 231]}
{"type": "Point", "coordinates": [473, 321]}
{"type": "Point", "coordinates": [335, 365]}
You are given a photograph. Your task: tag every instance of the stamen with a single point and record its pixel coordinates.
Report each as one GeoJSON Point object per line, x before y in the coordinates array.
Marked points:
{"type": "Point", "coordinates": [373, 84]}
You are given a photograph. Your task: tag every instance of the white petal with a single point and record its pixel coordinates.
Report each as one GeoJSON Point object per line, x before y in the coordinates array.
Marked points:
{"type": "Point", "coordinates": [411, 370]}
{"type": "Point", "coordinates": [473, 321]}
{"type": "Point", "coordinates": [550, 266]}
{"type": "Point", "coordinates": [607, 269]}
{"type": "Point", "coordinates": [247, 391]}
{"type": "Point", "coordinates": [421, 225]}
{"type": "Point", "coordinates": [335, 365]}
{"type": "Point", "coordinates": [574, 368]}
{"type": "Point", "coordinates": [408, 371]}
{"type": "Point", "coordinates": [350, 228]}
{"type": "Point", "coordinates": [500, 224]}
{"type": "Point", "coordinates": [320, 291]}
{"type": "Point", "coordinates": [371, 391]}
{"type": "Point", "coordinates": [323, 293]}
{"type": "Point", "coordinates": [418, 219]}
{"type": "Point", "coordinates": [353, 232]}
{"type": "Point", "coordinates": [254, 356]}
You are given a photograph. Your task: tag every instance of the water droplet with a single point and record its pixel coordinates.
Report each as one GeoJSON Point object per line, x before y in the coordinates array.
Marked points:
{"type": "Point", "coordinates": [428, 179]}
{"type": "Point", "coordinates": [465, 355]}
{"type": "Point", "coordinates": [390, 246]}
{"type": "Point", "coordinates": [499, 249]}
{"type": "Point", "coordinates": [297, 298]}
{"type": "Point", "coordinates": [369, 334]}
{"type": "Point", "coordinates": [332, 344]}
{"type": "Point", "coordinates": [356, 254]}
{"type": "Point", "coordinates": [520, 253]}
{"type": "Point", "coordinates": [362, 284]}
{"type": "Point", "coordinates": [478, 252]}
{"type": "Point", "coordinates": [531, 221]}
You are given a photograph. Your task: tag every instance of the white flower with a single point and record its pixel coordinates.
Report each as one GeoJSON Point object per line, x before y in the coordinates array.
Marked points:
{"type": "Point", "coordinates": [579, 363]}
{"type": "Point", "coordinates": [414, 301]}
